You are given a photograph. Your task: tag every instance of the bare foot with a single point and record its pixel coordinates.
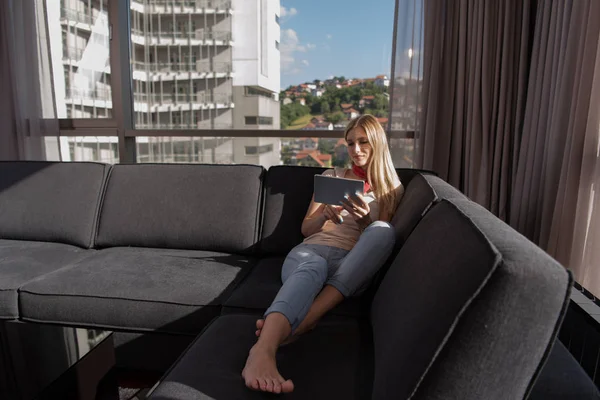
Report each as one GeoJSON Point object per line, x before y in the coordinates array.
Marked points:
{"type": "Point", "coordinates": [260, 372]}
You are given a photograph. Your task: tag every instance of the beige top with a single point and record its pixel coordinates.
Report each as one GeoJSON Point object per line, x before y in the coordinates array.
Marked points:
{"type": "Point", "coordinates": [346, 234]}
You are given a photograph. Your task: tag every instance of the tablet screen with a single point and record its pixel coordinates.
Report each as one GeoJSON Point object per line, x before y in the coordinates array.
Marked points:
{"type": "Point", "coordinates": [331, 190]}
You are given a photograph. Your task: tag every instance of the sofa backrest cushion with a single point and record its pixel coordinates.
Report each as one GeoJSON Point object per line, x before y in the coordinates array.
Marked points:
{"type": "Point", "coordinates": [288, 191]}
{"type": "Point", "coordinates": [407, 174]}
{"type": "Point", "coordinates": [442, 266]}
{"type": "Point", "coordinates": [443, 189]}
{"type": "Point", "coordinates": [50, 201]}
{"type": "Point", "coordinates": [418, 198]}
{"type": "Point", "coordinates": [504, 338]}
{"type": "Point", "coordinates": [195, 207]}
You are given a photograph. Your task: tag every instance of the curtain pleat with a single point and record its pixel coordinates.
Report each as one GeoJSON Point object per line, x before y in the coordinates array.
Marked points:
{"type": "Point", "coordinates": [475, 73]}
{"type": "Point", "coordinates": [27, 98]}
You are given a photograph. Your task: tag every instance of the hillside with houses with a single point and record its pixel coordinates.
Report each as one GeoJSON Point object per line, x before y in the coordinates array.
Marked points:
{"type": "Point", "coordinates": [330, 104]}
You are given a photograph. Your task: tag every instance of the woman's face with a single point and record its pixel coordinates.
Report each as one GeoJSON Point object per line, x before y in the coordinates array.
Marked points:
{"type": "Point", "coordinates": [359, 147]}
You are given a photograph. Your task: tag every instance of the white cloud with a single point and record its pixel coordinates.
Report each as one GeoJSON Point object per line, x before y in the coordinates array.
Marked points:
{"type": "Point", "coordinates": [285, 12]}
{"type": "Point", "coordinates": [329, 36]}
{"type": "Point", "coordinates": [290, 45]}
{"type": "Point", "coordinates": [311, 46]}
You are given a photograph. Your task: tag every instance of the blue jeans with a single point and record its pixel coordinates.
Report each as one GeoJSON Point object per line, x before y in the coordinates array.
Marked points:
{"type": "Point", "coordinates": [309, 267]}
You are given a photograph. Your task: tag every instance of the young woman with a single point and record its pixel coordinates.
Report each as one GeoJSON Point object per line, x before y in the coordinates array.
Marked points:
{"type": "Point", "coordinates": [345, 245]}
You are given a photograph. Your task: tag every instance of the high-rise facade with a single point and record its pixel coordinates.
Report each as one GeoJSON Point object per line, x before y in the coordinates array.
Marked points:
{"type": "Point", "coordinates": [195, 64]}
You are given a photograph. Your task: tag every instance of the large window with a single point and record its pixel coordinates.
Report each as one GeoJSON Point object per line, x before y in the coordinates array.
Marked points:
{"type": "Point", "coordinates": [178, 80]}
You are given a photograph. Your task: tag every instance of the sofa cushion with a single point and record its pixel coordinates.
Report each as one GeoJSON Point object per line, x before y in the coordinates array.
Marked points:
{"type": "Point", "coordinates": [418, 197]}
{"type": "Point", "coordinates": [441, 267]}
{"type": "Point", "coordinates": [562, 378]}
{"type": "Point", "coordinates": [288, 191]}
{"type": "Point", "coordinates": [197, 207]}
{"type": "Point", "coordinates": [136, 289]}
{"type": "Point", "coordinates": [406, 175]}
{"type": "Point", "coordinates": [331, 362]}
{"type": "Point", "coordinates": [502, 339]}
{"type": "Point", "coordinates": [258, 290]}
{"type": "Point", "coordinates": [50, 201]}
{"type": "Point", "coordinates": [22, 261]}
{"type": "Point", "coordinates": [443, 189]}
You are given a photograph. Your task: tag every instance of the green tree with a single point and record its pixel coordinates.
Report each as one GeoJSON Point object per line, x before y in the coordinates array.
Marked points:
{"type": "Point", "coordinates": [326, 146]}
{"type": "Point", "coordinates": [380, 102]}
{"type": "Point", "coordinates": [336, 117]}
{"type": "Point", "coordinates": [325, 107]}
{"type": "Point", "coordinates": [290, 112]}
{"type": "Point", "coordinates": [316, 108]}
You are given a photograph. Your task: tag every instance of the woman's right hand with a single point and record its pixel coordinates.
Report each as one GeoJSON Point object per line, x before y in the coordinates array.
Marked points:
{"type": "Point", "coordinates": [333, 213]}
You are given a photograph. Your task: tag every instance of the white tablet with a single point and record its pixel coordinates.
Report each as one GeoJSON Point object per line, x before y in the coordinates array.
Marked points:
{"type": "Point", "coordinates": [331, 190]}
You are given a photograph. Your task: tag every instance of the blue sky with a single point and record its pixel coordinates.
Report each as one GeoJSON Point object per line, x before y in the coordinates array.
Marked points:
{"type": "Point", "coordinates": [322, 38]}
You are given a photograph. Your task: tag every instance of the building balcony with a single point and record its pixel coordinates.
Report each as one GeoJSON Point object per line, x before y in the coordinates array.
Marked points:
{"type": "Point", "coordinates": [182, 6]}
{"type": "Point", "coordinates": [199, 97]}
{"type": "Point", "coordinates": [87, 21]}
{"type": "Point", "coordinates": [181, 37]}
{"type": "Point", "coordinates": [166, 71]}
{"type": "Point", "coordinates": [144, 102]}
{"type": "Point", "coordinates": [72, 53]}
{"type": "Point", "coordinates": [198, 125]}
{"type": "Point", "coordinates": [76, 95]}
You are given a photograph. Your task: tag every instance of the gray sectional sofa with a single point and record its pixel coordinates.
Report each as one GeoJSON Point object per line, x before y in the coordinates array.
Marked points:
{"type": "Point", "coordinates": [466, 308]}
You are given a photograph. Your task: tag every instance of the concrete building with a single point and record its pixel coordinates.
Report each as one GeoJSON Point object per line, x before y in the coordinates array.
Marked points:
{"type": "Point", "coordinates": [196, 64]}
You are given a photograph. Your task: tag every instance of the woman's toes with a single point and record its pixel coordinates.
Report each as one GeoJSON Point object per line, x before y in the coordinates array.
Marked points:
{"type": "Point", "coordinates": [287, 386]}
{"type": "Point", "coordinates": [259, 325]}
{"type": "Point", "coordinates": [270, 385]}
{"type": "Point", "coordinates": [263, 384]}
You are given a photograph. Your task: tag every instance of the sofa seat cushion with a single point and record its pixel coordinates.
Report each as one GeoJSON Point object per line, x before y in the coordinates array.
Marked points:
{"type": "Point", "coordinates": [22, 261]}
{"type": "Point", "coordinates": [256, 293]}
{"type": "Point", "coordinates": [141, 289]}
{"type": "Point", "coordinates": [331, 362]}
{"type": "Point", "coordinates": [563, 378]}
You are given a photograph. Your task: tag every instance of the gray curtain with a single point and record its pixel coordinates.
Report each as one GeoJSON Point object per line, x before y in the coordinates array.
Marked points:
{"type": "Point", "coordinates": [585, 252]}
{"type": "Point", "coordinates": [510, 116]}
{"type": "Point", "coordinates": [27, 107]}
{"type": "Point", "coordinates": [548, 162]}
{"type": "Point", "coordinates": [476, 63]}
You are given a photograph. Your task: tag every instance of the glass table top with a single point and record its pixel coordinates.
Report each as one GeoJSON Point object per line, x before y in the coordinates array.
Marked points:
{"type": "Point", "coordinates": [34, 358]}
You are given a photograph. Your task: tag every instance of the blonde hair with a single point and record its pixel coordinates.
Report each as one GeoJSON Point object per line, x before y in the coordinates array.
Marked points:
{"type": "Point", "coordinates": [381, 173]}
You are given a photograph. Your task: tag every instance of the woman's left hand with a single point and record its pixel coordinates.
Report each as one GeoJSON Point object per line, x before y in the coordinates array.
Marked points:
{"type": "Point", "coordinates": [359, 209]}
